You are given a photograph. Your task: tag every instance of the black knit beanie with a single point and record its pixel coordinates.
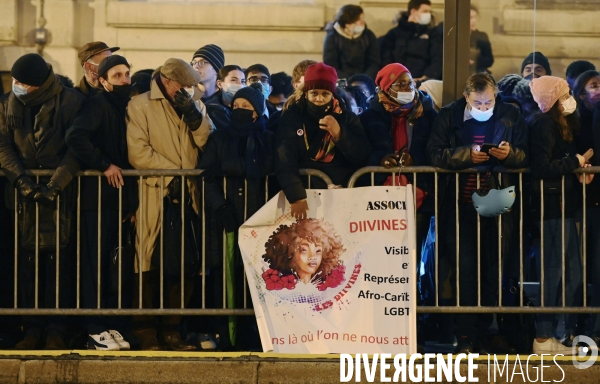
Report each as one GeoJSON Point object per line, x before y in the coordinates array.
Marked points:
{"type": "Point", "coordinates": [213, 54]}
{"type": "Point", "coordinates": [539, 59]}
{"type": "Point", "coordinates": [109, 62]}
{"type": "Point", "coordinates": [30, 69]}
{"type": "Point", "coordinates": [254, 96]}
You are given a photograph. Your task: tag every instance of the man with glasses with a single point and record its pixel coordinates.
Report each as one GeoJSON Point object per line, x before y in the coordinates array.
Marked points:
{"type": "Point", "coordinates": [208, 61]}
{"type": "Point", "coordinates": [259, 73]}
{"type": "Point", "coordinates": [457, 142]}
{"type": "Point", "coordinates": [90, 56]}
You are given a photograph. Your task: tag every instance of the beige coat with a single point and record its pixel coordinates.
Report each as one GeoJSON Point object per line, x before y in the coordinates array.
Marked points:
{"type": "Point", "coordinates": [158, 139]}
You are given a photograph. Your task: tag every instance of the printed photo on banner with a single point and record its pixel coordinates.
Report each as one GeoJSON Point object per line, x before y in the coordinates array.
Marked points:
{"type": "Point", "coordinates": [341, 281]}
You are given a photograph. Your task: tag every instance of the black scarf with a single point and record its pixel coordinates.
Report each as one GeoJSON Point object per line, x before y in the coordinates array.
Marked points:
{"type": "Point", "coordinates": [19, 108]}
{"type": "Point", "coordinates": [255, 149]}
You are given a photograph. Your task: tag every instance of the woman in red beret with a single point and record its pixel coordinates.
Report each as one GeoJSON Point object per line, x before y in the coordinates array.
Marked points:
{"type": "Point", "coordinates": [317, 131]}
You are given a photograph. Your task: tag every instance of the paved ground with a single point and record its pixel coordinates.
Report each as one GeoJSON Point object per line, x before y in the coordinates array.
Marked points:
{"type": "Point", "coordinates": [80, 366]}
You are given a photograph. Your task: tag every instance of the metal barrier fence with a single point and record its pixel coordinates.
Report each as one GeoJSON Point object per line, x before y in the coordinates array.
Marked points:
{"type": "Point", "coordinates": [141, 175]}
{"type": "Point", "coordinates": [500, 308]}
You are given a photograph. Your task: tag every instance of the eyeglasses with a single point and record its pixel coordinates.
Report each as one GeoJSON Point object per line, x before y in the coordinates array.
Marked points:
{"type": "Point", "coordinates": [256, 79]}
{"type": "Point", "coordinates": [199, 63]}
{"type": "Point", "coordinates": [403, 85]}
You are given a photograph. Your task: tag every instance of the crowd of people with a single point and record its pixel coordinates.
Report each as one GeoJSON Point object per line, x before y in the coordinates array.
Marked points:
{"type": "Point", "coordinates": [242, 124]}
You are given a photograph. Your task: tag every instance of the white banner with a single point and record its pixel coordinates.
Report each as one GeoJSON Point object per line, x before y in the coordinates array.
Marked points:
{"type": "Point", "coordinates": [341, 281]}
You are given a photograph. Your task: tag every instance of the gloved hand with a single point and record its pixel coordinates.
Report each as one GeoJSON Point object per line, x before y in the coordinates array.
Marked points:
{"type": "Point", "coordinates": [26, 187]}
{"type": "Point", "coordinates": [47, 193]}
{"type": "Point", "coordinates": [227, 217]}
{"type": "Point", "coordinates": [186, 105]}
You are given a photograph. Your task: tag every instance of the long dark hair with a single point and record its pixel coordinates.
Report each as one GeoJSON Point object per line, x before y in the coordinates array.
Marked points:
{"type": "Point", "coordinates": [568, 125]}
{"type": "Point", "coordinates": [224, 72]}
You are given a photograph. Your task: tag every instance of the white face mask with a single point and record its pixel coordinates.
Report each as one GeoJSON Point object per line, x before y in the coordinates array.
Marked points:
{"type": "Point", "coordinates": [358, 29]}
{"type": "Point", "coordinates": [190, 91]}
{"type": "Point", "coordinates": [405, 97]}
{"type": "Point", "coordinates": [425, 19]}
{"type": "Point", "coordinates": [569, 106]}
{"type": "Point", "coordinates": [233, 88]}
{"type": "Point", "coordinates": [481, 115]}
{"type": "Point", "coordinates": [19, 90]}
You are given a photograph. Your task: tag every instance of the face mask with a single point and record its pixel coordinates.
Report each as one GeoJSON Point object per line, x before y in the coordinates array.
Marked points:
{"type": "Point", "coordinates": [19, 90]}
{"type": "Point", "coordinates": [569, 106]}
{"type": "Point", "coordinates": [405, 97]}
{"type": "Point", "coordinates": [266, 90]}
{"type": "Point", "coordinates": [121, 91]}
{"type": "Point", "coordinates": [319, 111]}
{"type": "Point", "coordinates": [425, 19]}
{"type": "Point", "coordinates": [358, 29]}
{"type": "Point", "coordinates": [232, 89]}
{"type": "Point", "coordinates": [593, 98]}
{"type": "Point", "coordinates": [190, 91]}
{"type": "Point", "coordinates": [277, 107]}
{"type": "Point", "coordinates": [481, 115]}
{"type": "Point", "coordinates": [242, 116]}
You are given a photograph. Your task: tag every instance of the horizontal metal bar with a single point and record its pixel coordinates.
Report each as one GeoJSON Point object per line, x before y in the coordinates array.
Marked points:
{"type": "Point", "coordinates": [531, 310]}
{"type": "Point", "coordinates": [125, 312]}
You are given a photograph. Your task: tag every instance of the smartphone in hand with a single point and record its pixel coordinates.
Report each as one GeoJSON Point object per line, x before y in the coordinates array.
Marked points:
{"type": "Point", "coordinates": [588, 155]}
{"type": "Point", "coordinates": [485, 147]}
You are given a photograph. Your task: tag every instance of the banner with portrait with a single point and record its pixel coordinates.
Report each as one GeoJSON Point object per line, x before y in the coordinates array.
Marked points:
{"type": "Point", "coordinates": [341, 281]}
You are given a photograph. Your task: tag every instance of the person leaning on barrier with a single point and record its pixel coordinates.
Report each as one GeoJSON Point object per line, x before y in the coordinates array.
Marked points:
{"type": "Point", "coordinates": [90, 56]}
{"type": "Point", "coordinates": [242, 153]}
{"type": "Point", "coordinates": [316, 132]}
{"type": "Point", "coordinates": [98, 139]}
{"type": "Point", "coordinates": [166, 128]}
{"type": "Point", "coordinates": [586, 90]}
{"type": "Point", "coordinates": [34, 118]}
{"type": "Point", "coordinates": [398, 125]}
{"type": "Point", "coordinates": [554, 156]}
{"type": "Point", "coordinates": [457, 134]}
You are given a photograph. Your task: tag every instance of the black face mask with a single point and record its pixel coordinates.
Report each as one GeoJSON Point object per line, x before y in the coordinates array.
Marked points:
{"type": "Point", "coordinates": [319, 111]}
{"type": "Point", "coordinates": [122, 92]}
{"type": "Point", "coordinates": [242, 116]}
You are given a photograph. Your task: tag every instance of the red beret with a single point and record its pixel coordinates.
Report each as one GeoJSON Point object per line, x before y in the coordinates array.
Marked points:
{"type": "Point", "coordinates": [388, 75]}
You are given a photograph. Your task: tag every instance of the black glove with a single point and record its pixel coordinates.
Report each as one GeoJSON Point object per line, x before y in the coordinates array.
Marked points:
{"type": "Point", "coordinates": [47, 193]}
{"type": "Point", "coordinates": [186, 105]}
{"type": "Point", "coordinates": [226, 215]}
{"type": "Point", "coordinates": [27, 188]}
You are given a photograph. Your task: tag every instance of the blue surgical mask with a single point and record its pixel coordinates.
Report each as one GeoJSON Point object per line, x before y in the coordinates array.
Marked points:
{"type": "Point", "coordinates": [266, 90]}
{"type": "Point", "coordinates": [19, 90]}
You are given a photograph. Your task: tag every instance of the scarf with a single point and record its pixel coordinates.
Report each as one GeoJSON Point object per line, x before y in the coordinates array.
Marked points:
{"type": "Point", "coordinates": [324, 150]}
{"type": "Point", "coordinates": [19, 108]}
{"type": "Point", "coordinates": [399, 134]}
{"type": "Point", "coordinates": [255, 148]}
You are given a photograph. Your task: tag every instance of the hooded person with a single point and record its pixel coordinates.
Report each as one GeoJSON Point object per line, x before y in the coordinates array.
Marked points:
{"type": "Point", "coordinates": [315, 131]}
{"type": "Point", "coordinates": [166, 129]}
{"type": "Point", "coordinates": [34, 118]}
{"type": "Point", "coordinates": [433, 88]}
{"type": "Point", "coordinates": [455, 143]}
{"type": "Point", "coordinates": [98, 139]}
{"type": "Point", "coordinates": [231, 78]}
{"type": "Point", "coordinates": [554, 157]}
{"type": "Point", "coordinates": [236, 160]}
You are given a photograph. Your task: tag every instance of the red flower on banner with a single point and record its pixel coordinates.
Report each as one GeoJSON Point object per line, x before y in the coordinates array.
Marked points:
{"type": "Point", "coordinates": [276, 282]}
{"type": "Point", "coordinates": [334, 279]}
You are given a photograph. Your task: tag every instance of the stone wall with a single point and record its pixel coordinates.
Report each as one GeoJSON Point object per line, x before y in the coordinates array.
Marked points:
{"type": "Point", "coordinates": [278, 33]}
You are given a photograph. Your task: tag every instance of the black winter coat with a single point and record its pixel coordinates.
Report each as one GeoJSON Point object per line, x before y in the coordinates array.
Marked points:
{"type": "Point", "coordinates": [418, 47]}
{"type": "Point", "coordinates": [352, 150]}
{"type": "Point", "coordinates": [19, 151]}
{"type": "Point", "coordinates": [352, 56]}
{"type": "Point", "coordinates": [450, 142]}
{"type": "Point", "coordinates": [481, 52]}
{"type": "Point", "coordinates": [589, 137]}
{"type": "Point", "coordinates": [551, 158]}
{"type": "Point", "coordinates": [219, 113]}
{"type": "Point", "coordinates": [98, 138]}
{"type": "Point", "coordinates": [378, 126]}
{"type": "Point", "coordinates": [222, 151]}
